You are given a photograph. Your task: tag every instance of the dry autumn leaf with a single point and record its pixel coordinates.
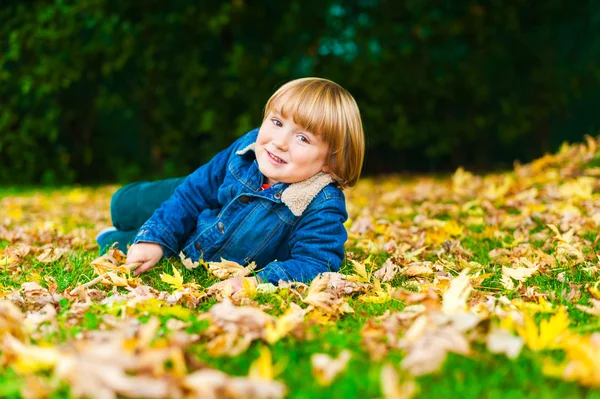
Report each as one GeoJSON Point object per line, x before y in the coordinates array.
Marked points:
{"type": "Point", "coordinates": [326, 369]}
{"type": "Point", "coordinates": [226, 269]}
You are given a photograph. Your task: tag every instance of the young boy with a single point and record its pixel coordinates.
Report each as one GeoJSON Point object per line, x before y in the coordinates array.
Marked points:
{"type": "Point", "coordinates": [273, 197]}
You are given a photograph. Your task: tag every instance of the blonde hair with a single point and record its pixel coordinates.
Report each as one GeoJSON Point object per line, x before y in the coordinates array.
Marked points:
{"type": "Point", "coordinates": [326, 109]}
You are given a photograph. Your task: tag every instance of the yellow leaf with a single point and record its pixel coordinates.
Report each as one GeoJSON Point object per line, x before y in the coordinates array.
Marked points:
{"type": "Point", "coordinates": [595, 291]}
{"type": "Point", "coordinates": [30, 358]}
{"type": "Point", "coordinates": [412, 255]}
{"type": "Point", "coordinates": [455, 299]}
{"type": "Point", "coordinates": [263, 368]}
{"type": "Point", "coordinates": [581, 188]}
{"type": "Point", "coordinates": [115, 279]}
{"type": "Point", "coordinates": [176, 280]}
{"type": "Point", "coordinates": [378, 295]}
{"type": "Point", "coordinates": [362, 275]}
{"type": "Point", "coordinates": [249, 287]}
{"type": "Point", "coordinates": [548, 335]}
{"type": "Point", "coordinates": [5, 261]}
{"type": "Point", "coordinates": [292, 317]}
{"type": "Point", "coordinates": [453, 228]}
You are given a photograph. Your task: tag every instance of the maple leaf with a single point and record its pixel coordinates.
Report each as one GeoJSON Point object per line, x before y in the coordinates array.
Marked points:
{"type": "Point", "coordinates": [226, 269]}
{"type": "Point", "coordinates": [176, 280]}
{"type": "Point", "coordinates": [500, 340]}
{"type": "Point", "coordinates": [377, 294]}
{"type": "Point", "coordinates": [317, 296]}
{"type": "Point", "coordinates": [548, 335]}
{"type": "Point", "coordinates": [455, 299]}
{"type": "Point", "coordinates": [326, 369]}
{"type": "Point", "coordinates": [248, 288]}
{"type": "Point", "coordinates": [7, 261]}
{"type": "Point", "coordinates": [417, 269]}
{"type": "Point", "coordinates": [391, 387]}
{"type": "Point", "coordinates": [11, 319]}
{"type": "Point", "coordinates": [361, 273]}
{"type": "Point", "coordinates": [187, 262]}
{"type": "Point", "coordinates": [51, 254]}
{"type": "Point", "coordinates": [234, 328]}
{"type": "Point", "coordinates": [427, 344]}
{"type": "Point", "coordinates": [29, 358]}
{"type": "Point", "coordinates": [214, 384]}
{"type": "Point", "coordinates": [520, 274]}
{"type": "Point", "coordinates": [413, 255]}
{"type": "Point", "coordinates": [263, 368]}
{"type": "Point", "coordinates": [453, 228]}
{"type": "Point", "coordinates": [388, 271]}
{"type": "Point", "coordinates": [285, 323]}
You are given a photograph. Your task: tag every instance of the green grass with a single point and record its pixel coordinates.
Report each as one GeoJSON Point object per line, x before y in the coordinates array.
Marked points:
{"type": "Point", "coordinates": [480, 375]}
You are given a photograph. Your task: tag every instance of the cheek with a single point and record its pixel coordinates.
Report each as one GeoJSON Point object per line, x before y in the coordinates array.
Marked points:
{"type": "Point", "coordinates": [263, 137]}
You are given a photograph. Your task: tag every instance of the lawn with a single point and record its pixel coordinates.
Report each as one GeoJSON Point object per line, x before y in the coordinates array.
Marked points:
{"type": "Point", "coordinates": [462, 286]}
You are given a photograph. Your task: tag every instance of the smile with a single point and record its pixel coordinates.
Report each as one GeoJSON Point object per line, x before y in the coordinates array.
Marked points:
{"type": "Point", "coordinates": [276, 159]}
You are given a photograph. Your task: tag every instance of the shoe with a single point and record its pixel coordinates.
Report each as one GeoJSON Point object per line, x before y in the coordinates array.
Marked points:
{"type": "Point", "coordinates": [104, 231]}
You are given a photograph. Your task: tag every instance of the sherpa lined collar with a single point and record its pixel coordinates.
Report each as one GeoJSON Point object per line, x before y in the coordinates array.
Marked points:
{"type": "Point", "coordinates": [298, 195]}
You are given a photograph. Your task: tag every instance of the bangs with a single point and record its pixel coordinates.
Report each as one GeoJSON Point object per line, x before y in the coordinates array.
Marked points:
{"type": "Point", "coordinates": [314, 106]}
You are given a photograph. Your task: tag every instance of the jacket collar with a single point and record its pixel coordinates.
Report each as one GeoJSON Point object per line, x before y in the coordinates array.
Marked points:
{"type": "Point", "coordinates": [297, 196]}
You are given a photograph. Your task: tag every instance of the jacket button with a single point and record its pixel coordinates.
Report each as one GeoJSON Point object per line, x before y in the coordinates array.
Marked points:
{"type": "Point", "coordinates": [198, 246]}
{"type": "Point", "coordinates": [244, 199]}
{"type": "Point", "coordinates": [221, 227]}
{"type": "Point", "coordinates": [278, 195]}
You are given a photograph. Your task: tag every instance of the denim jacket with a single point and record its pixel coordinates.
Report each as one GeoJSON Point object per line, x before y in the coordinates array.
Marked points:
{"type": "Point", "coordinates": [292, 231]}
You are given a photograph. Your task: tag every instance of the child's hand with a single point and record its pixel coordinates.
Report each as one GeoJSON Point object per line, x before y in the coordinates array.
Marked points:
{"type": "Point", "coordinates": [146, 253]}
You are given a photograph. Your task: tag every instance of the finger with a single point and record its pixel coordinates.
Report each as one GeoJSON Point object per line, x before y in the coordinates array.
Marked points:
{"type": "Point", "coordinates": [132, 265]}
{"type": "Point", "coordinates": [145, 266]}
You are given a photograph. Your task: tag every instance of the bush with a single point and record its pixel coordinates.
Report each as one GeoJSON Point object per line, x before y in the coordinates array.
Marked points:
{"type": "Point", "coordinates": [102, 90]}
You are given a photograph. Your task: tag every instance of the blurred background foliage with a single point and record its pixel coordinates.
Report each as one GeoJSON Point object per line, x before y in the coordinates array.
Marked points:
{"type": "Point", "coordinates": [107, 90]}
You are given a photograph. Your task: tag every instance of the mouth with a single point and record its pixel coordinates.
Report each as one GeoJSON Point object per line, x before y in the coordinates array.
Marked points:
{"type": "Point", "coordinates": [276, 159]}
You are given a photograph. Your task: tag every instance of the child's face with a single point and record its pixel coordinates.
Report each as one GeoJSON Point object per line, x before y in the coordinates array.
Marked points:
{"type": "Point", "coordinates": [288, 153]}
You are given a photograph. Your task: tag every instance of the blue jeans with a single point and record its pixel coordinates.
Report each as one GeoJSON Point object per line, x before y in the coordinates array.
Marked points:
{"type": "Point", "coordinates": [131, 206]}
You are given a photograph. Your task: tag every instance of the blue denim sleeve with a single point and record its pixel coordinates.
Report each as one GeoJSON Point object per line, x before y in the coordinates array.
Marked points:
{"type": "Point", "coordinates": [316, 245]}
{"type": "Point", "coordinates": [173, 222]}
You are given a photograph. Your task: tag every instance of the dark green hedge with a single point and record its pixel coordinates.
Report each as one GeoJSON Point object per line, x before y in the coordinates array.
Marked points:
{"type": "Point", "coordinates": [99, 90]}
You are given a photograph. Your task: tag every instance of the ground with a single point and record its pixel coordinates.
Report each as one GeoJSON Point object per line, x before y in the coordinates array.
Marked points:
{"type": "Point", "coordinates": [454, 286]}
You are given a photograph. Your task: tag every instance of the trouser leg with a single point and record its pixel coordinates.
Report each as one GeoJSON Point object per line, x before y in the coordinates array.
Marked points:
{"type": "Point", "coordinates": [135, 203]}
{"type": "Point", "coordinates": [131, 206]}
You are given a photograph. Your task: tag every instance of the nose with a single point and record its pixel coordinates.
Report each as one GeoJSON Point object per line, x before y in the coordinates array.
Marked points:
{"type": "Point", "coordinates": [280, 142]}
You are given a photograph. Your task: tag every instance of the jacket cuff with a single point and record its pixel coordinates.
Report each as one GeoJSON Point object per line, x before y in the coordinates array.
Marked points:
{"type": "Point", "coordinates": [147, 233]}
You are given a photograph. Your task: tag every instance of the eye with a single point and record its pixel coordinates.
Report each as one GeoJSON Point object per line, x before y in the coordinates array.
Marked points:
{"type": "Point", "coordinates": [303, 138]}
{"type": "Point", "coordinates": [276, 122]}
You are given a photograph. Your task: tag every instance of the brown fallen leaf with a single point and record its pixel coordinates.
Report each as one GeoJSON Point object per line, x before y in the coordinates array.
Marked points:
{"type": "Point", "coordinates": [417, 269]}
{"type": "Point", "coordinates": [388, 271]}
{"type": "Point", "coordinates": [455, 298]}
{"type": "Point", "coordinates": [428, 343]}
{"type": "Point", "coordinates": [500, 340]}
{"type": "Point", "coordinates": [234, 328]}
{"type": "Point", "coordinates": [187, 262]}
{"type": "Point", "coordinates": [391, 387]}
{"type": "Point", "coordinates": [214, 384]}
{"type": "Point", "coordinates": [226, 269]}
{"type": "Point", "coordinates": [50, 254]}
{"type": "Point", "coordinates": [11, 319]}
{"type": "Point", "coordinates": [326, 369]}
